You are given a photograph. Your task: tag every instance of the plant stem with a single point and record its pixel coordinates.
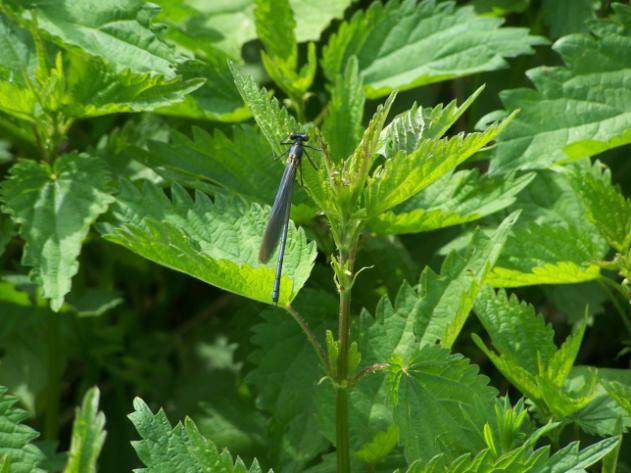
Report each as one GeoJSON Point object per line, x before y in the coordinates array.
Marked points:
{"type": "Point", "coordinates": [311, 336]}
{"type": "Point", "coordinates": [51, 422]}
{"type": "Point", "coordinates": [346, 263]}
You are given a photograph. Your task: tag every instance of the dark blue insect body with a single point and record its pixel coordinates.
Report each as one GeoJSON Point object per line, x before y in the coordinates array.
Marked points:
{"type": "Point", "coordinates": [279, 219]}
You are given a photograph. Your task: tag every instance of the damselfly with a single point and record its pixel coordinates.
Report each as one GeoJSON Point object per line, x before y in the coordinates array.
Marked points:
{"type": "Point", "coordinates": [279, 219]}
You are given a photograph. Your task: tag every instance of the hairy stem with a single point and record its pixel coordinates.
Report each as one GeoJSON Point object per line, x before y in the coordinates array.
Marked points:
{"type": "Point", "coordinates": [345, 279]}
{"type": "Point", "coordinates": [310, 335]}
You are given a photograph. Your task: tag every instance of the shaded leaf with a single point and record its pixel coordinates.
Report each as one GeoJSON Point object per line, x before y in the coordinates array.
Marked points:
{"type": "Point", "coordinates": [55, 207]}
{"type": "Point", "coordinates": [16, 438]}
{"type": "Point", "coordinates": [575, 111]}
{"type": "Point", "coordinates": [441, 404]}
{"type": "Point", "coordinates": [564, 17]}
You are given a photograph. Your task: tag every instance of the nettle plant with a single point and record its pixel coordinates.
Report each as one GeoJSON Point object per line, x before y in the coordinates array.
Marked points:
{"type": "Point", "coordinates": [338, 386]}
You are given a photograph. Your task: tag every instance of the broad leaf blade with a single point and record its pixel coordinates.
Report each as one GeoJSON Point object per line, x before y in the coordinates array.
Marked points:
{"type": "Point", "coordinates": [119, 31]}
{"type": "Point", "coordinates": [441, 404]}
{"type": "Point", "coordinates": [55, 207]}
{"type": "Point", "coordinates": [88, 435]}
{"type": "Point", "coordinates": [574, 111]}
{"type": "Point", "coordinates": [15, 438]}
{"type": "Point", "coordinates": [405, 175]}
{"type": "Point", "coordinates": [445, 42]}
{"type": "Point", "coordinates": [216, 242]}
{"type": "Point", "coordinates": [457, 198]}
{"type": "Point", "coordinates": [342, 128]}
{"type": "Point", "coordinates": [165, 449]}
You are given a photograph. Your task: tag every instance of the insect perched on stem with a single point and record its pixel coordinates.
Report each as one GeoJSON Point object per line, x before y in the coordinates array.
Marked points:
{"type": "Point", "coordinates": [279, 219]}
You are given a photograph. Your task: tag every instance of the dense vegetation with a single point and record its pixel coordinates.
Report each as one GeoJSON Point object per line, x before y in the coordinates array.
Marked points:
{"type": "Point", "coordinates": [455, 292]}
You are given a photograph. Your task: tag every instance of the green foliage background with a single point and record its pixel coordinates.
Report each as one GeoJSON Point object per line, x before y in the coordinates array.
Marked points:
{"type": "Point", "coordinates": [471, 191]}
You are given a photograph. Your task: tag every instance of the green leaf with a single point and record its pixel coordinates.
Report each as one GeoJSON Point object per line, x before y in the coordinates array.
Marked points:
{"type": "Point", "coordinates": [240, 164]}
{"type": "Point", "coordinates": [445, 300]}
{"type": "Point", "coordinates": [406, 131]}
{"type": "Point", "coordinates": [55, 207]}
{"type": "Point", "coordinates": [232, 21]}
{"type": "Point", "coordinates": [95, 302]}
{"type": "Point", "coordinates": [575, 111]}
{"type": "Point", "coordinates": [517, 331]}
{"type": "Point", "coordinates": [287, 369]}
{"type": "Point", "coordinates": [18, 58]}
{"type": "Point", "coordinates": [441, 404]}
{"type": "Point", "coordinates": [88, 435]}
{"type": "Point", "coordinates": [342, 128]}
{"type": "Point", "coordinates": [405, 175]}
{"type": "Point", "coordinates": [457, 198]}
{"type": "Point", "coordinates": [95, 88]}
{"type": "Point", "coordinates": [500, 7]}
{"type": "Point", "coordinates": [216, 242]}
{"type": "Point", "coordinates": [166, 449]}
{"type": "Point", "coordinates": [621, 393]}
{"type": "Point", "coordinates": [379, 447]}
{"type": "Point", "coordinates": [570, 458]}
{"type": "Point", "coordinates": [120, 31]}
{"type": "Point", "coordinates": [275, 25]}
{"type": "Point", "coordinates": [15, 438]}
{"type": "Point", "coordinates": [217, 99]}
{"type": "Point", "coordinates": [564, 17]}
{"type": "Point", "coordinates": [528, 357]}
{"type": "Point", "coordinates": [275, 122]}
{"type": "Point", "coordinates": [445, 42]}
{"type": "Point", "coordinates": [606, 206]}
{"type": "Point", "coordinates": [552, 243]}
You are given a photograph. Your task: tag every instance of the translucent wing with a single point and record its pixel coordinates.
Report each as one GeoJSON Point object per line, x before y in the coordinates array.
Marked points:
{"type": "Point", "coordinates": [280, 211]}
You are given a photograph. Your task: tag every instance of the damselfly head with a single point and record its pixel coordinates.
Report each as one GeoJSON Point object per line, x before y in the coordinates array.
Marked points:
{"type": "Point", "coordinates": [299, 136]}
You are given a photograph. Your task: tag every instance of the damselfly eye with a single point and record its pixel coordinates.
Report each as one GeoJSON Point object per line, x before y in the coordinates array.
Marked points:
{"type": "Point", "coordinates": [299, 136]}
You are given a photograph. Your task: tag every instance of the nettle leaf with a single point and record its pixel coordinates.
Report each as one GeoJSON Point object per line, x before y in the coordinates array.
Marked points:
{"type": "Point", "coordinates": [165, 449]}
{"type": "Point", "coordinates": [15, 437]}
{"type": "Point", "coordinates": [445, 42]}
{"type": "Point", "coordinates": [120, 31]}
{"type": "Point", "coordinates": [94, 88]}
{"type": "Point", "coordinates": [275, 26]}
{"type": "Point", "coordinates": [433, 311]}
{"type": "Point", "coordinates": [621, 393]}
{"type": "Point", "coordinates": [406, 131]}
{"type": "Point", "coordinates": [217, 99]}
{"type": "Point", "coordinates": [233, 22]}
{"type": "Point", "coordinates": [274, 120]}
{"type": "Point", "coordinates": [55, 207]}
{"type": "Point", "coordinates": [530, 360]}
{"type": "Point", "coordinates": [570, 458]}
{"type": "Point", "coordinates": [18, 61]}
{"type": "Point", "coordinates": [342, 128]}
{"type": "Point", "coordinates": [606, 207]}
{"type": "Point", "coordinates": [564, 17]}
{"type": "Point", "coordinates": [287, 371]}
{"type": "Point", "coordinates": [500, 7]}
{"type": "Point", "coordinates": [216, 242]}
{"type": "Point", "coordinates": [552, 243]}
{"type": "Point", "coordinates": [441, 404]}
{"type": "Point", "coordinates": [88, 435]}
{"type": "Point", "coordinates": [241, 164]}
{"type": "Point", "coordinates": [405, 175]}
{"type": "Point", "coordinates": [575, 111]}
{"type": "Point", "coordinates": [457, 198]}
{"type": "Point", "coordinates": [517, 331]}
